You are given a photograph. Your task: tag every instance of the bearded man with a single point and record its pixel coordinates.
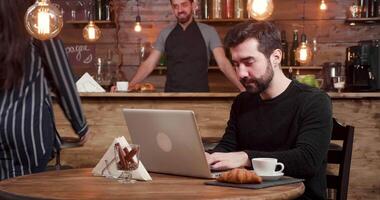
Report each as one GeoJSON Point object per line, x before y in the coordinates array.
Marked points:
{"type": "Point", "coordinates": [187, 46]}
{"type": "Point", "coordinates": [276, 117]}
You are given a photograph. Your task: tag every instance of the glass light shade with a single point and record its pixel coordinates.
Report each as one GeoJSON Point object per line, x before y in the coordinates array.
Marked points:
{"type": "Point", "coordinates": [138, 27]}
{"type": "Point", "coordinates": [260, 9]}
{"type": "Point", "coordinates": [91, 32]}
{"type": "Point", "coordinates": [303, 53]}
{"type": "Point", "coordinates": [43, 21]}
{"type": "Point", "coordinates": [323, 5]}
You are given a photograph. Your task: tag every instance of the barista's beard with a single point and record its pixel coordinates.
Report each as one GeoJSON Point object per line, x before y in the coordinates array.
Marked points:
{"type": "Point", "coordinates": [260, 84]}
{"type": "Point", "coordinates": [184, 20]}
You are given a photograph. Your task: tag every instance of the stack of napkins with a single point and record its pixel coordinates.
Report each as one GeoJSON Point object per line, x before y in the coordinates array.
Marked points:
{"type": "Point", "coordinates": [87, 84]}
{"type": "Point", "coordinates": [107, 165]}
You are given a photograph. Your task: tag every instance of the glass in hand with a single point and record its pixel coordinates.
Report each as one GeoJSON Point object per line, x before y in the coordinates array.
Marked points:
{"type": "Point", "coordinates": [339, 82]}
{"type": "Point", "coordinates": [127, 160]}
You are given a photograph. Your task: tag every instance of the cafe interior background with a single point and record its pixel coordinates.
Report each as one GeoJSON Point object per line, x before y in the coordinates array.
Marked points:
{"type": "Point", "coordinates": [128, 28]}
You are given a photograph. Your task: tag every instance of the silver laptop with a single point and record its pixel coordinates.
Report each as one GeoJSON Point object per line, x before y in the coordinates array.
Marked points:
{"type": "Point", "coordinates": [169, 141]}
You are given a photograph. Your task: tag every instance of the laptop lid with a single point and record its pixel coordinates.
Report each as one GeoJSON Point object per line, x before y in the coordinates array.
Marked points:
{"type": "Point", "coordinates": [169, 141]}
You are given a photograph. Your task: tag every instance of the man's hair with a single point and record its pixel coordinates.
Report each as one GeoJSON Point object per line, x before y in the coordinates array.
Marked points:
{"type": "Point", "coordinates": [267, 35]}
{"type": "Point", "coordinates": [189, 0]}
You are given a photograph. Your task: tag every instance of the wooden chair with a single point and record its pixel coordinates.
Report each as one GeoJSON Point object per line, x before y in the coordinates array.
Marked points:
{"type": "Point", "coordinates": [340, 155]}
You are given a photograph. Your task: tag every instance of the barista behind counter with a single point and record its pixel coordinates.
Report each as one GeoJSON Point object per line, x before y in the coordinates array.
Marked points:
{"type": "Point", "coordinates": [187, 45]}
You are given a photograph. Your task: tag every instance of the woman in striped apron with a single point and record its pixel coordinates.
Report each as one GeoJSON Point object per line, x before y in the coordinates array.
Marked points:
{"type": "Point", "coordinates": [30, 70]}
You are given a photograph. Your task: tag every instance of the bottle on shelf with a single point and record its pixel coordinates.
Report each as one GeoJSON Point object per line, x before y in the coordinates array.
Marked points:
{"type": "Point", "coordinates": [197, 12]}
{"type": "Point", "coordinates": [107, 10]}
{"type": "Point", "coordinates": [206, 6]}
{"type": "Point", "coordinates": [216, 9]}
{"type": "Point", "coordinates": [374, 8]}
{"type": "Point", "coordinates": [111, 67]}
{"type": "Point", "coordinates": [99, 10]}
{"type": "Point", "coordinates": [285, 54]}
{"type": "Point", "coordinates": [205, 9]}
{"type": "Point", "coordinates": [293, 61]}
{"type": "Point", "coordinates": [355, 10]}
{"type": "Point", "coordinates": [365, 5]}
{"type": "Point", "coordinates": [228, 9]}
{"type": "Point", "coordinates": [239, 9]}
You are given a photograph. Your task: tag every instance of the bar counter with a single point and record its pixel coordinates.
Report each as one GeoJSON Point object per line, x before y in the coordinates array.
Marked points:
{"type": "Point", "coordinates": [333, 95]}
{"type": "Point", "coordinates": [104, 115]}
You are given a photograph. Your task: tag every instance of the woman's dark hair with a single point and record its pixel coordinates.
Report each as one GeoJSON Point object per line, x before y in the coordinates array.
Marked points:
{"type": "Point", "coordinates": [13, 41]}
{"type": "Point", "coordinates": [266, 33]}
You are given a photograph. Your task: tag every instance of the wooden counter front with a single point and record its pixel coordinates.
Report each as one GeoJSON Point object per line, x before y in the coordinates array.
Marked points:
{"type": "Point", "coordinates": [104, 115]}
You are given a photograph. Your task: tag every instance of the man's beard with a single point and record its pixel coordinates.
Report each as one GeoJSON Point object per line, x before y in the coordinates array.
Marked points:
{"type": "Point", "coordinates": [261, 83]}
{"type": "Point", "coordinates": [185, 19]}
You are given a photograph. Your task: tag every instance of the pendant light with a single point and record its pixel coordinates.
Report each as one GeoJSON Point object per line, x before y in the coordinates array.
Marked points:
{"type": "Point", "coordinates": [91, 32]}
{"type": "Point", "coordinates": [323, 5]}
{"type": "Point", "coordinates": [43, 21]}
{"type": "Point", "coordinates": [138, 27]}
{"type": "Point", "coordinates": [260, 9]}
{"type": "Point", "coordinates": [138, 24]}
{"type": "Point", "coordinates": [303, 52]}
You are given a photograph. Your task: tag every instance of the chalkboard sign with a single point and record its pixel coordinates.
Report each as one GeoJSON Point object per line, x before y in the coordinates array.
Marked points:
{"type": "Point", "coordinates": [81, 54]}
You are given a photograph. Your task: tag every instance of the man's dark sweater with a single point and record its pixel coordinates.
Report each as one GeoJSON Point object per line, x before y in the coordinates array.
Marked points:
{"type": "Point", "coordinates": [294, 127]}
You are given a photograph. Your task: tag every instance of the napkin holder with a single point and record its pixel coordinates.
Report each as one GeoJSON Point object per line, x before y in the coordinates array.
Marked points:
{"type": "Point", "coordinates": [107, 165]}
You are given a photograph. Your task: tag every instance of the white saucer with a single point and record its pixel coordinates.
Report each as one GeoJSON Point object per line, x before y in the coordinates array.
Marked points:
{"type": "Point", "coordinates": [271, 177]}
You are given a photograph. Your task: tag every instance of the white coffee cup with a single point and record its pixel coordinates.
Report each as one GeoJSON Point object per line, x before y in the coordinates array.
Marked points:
{"type": "Point", "coordinates": [122, 86]}
{"type": "Point", "coordinates": [266, 166]}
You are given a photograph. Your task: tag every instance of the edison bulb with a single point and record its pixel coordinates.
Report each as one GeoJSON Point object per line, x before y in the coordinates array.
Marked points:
{"type": "Point", "coordinates": [138, 27]}
{"type": "Point", "coordinates": [91, 32]}
{"type": "Point", "coordinates": [323, 5]}
{"type": "Point", "coordinates": [303, 52]}
{"type": "Point", "coordinates": [260, 9]}
{"type": "Point", "coordinates": [43, 21]}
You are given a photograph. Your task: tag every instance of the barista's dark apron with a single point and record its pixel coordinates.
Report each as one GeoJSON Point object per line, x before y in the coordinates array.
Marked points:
{"type": "Point", "coordinates": [187, 61]}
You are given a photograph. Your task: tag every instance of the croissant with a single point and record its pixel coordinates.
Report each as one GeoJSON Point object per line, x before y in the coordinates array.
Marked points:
{"type": "Point", "coordinates": [239, 176]}
{"type": "Point", "coordinates": [143, 87]}
{"type": "Point", "coordinates": [147, 87]}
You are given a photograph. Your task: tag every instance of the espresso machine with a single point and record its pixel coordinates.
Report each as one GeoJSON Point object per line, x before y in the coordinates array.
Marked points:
{"type": "Point", "coordinates": [363, 66]}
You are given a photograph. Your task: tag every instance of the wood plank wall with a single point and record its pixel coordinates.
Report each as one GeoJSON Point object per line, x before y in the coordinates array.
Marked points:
{"type": "Point", "coordinates": [328, 27]}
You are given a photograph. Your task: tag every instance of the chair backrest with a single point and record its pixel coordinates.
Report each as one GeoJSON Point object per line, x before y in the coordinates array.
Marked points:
{"type": "Point", "coordinates": [340, 155]}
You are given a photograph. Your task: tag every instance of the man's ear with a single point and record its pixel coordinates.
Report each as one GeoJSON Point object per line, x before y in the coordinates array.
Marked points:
{"type": "Point", "coordinates": [275, 57]}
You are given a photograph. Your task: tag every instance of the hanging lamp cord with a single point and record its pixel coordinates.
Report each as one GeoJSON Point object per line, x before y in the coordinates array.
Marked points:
{"type": "Point", "coordinates": [138, 7]}
{"type": "Point", "coordinates": [303, 17]}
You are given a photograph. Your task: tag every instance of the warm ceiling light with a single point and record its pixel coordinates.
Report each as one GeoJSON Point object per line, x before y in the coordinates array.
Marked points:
{"type": "Point", "coordinates": [260, 9]}
{"type": "Point", "coordinates": [43, 20]}
{"type": "Point", "coordinates": [303, 52]}
{"type": "Point", "coordinates": [91, 32]}
{"type": "Point", "coordinates": [323, 5]}
{"type": "Point", "coordinates": [138, 27]}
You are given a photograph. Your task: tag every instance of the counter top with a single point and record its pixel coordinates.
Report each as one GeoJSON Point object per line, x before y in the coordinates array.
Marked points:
{"type": "Point", "coordinates": [333, 95]}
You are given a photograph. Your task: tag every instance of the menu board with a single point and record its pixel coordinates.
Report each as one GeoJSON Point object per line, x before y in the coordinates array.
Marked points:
{"type": "Point", "coordinates": [81, 54]}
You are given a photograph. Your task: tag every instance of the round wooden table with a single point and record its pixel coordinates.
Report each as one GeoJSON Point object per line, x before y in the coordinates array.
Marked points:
{"type": "Point", "coordinates": [80, 184]}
